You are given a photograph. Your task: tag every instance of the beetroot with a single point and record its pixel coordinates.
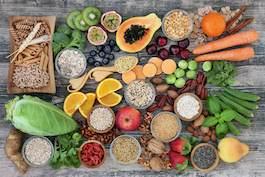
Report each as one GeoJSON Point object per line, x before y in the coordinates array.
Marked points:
{"type": "Point", "coordinates": [163, 53]}
{"type": "Point", "coordinates": [161, 41]}
{"type": "Point", "coordinates": [174, 49]}
{"type": "Point", "coordinates": [185, 54]}
{"type": "Point", "coordinates": [184, 43]}
{"type": "Point", "coordinates": [151, 49]}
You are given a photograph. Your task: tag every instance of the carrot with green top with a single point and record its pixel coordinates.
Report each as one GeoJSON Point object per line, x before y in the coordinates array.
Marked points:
{"type": "Point", "coordinates": [240, 38]}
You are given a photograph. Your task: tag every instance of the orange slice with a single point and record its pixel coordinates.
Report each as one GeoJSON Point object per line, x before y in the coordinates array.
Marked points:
{"type": "Point", "coordinates": [86, 107]}
{"type": "Point", "coordinates": [158, 62]}
{"type": "Point", "coordinates": [73, 101]}
{"type": "Point", "coordinates": [107, 86]}
{"type": "Point", "coordinates": [110, 100]}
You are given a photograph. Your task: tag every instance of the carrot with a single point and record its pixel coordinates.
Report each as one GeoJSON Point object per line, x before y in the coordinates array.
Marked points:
{"type": "Point", "coordinates": [239, 54]}
{"type": "Point", "coordinates": [138, 69]}
{"type": "Point", "coordinates": [149, 70]}
{"type": "Point", "coordinates": [128, 77]}
{"type": "Point", "coordinates": [169, 66]}
{"type": "Point", "coordinates": [241, 38]}
{"type": "Point", "coordinates": [158, 62]}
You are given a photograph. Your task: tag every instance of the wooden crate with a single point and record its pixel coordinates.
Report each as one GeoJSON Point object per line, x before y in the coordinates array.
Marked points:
{"type": "Point", "coordinates": [50, 88]}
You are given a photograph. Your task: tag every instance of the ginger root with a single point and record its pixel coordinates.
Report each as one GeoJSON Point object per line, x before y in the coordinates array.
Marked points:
{"type": "Point", "coordinates": [12, 149]}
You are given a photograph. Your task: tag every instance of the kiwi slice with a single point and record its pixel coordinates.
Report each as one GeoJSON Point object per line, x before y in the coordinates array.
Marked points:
{"type": "Point", "coordinates": [80, 23]}
{"type": "Point", "coordinates": [91, 15]}
{"type": "Point", "coordinates": [71, 17]}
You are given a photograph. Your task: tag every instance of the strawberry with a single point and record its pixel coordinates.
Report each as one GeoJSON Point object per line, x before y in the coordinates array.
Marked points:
{"type": "Point", "coordinates": [177, 161]}
{"type": "Point", "coordinates": [180, 145]}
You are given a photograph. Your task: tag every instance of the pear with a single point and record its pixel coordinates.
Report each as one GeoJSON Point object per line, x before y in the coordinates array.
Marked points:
{"type": "Point", "coordinates": [232, 150]}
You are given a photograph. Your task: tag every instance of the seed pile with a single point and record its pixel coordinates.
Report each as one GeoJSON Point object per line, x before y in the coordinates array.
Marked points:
{"type": "Point", "coordinates": [134, 33]}
{"type": "Point", "coordinates": [139, 93]}
{"type": "Point", "coordinates": [101, 119]}
{"type": "Point", "coordinates": [204, 157]}
{"type": "Point", "coordinates": [125, 149]}
{"type": "Point", "coordinates": [30, 77]}
{"type": "Point", "coordinates": [38, 151]}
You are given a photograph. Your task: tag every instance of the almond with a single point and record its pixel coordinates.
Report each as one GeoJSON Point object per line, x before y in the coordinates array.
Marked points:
{"type": "Point", "coordinates": [172, 93]}
{"type": "Point", "coordinates": [157, 80]}
{"type": "Point", "coordinates": [162, 88]}
{"type": "Point", "coordinates": [198, 122]}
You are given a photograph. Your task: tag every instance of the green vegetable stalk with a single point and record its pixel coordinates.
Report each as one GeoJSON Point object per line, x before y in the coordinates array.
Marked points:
{"type": "Point", "coordinates": [37, 117]}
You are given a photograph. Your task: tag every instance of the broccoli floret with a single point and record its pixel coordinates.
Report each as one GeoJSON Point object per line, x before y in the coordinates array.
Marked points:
{"type": "Point", "coordinates": [64, 29]}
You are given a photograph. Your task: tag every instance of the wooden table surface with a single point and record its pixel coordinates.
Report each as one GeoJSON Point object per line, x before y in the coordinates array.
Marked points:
{"type": "Point", "coordinates": [251, 77]}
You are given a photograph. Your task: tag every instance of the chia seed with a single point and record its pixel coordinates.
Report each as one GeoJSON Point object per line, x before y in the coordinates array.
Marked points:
{"type": "Point", "coordinates": [204, 157]}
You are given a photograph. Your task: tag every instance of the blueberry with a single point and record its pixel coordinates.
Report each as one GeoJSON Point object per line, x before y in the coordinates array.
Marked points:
{"type": "Point", "coordinates": [101, 54]}
{"type": "Point", "coordinates": [112, 42]}
{"type": "Point", "coordinates": [93, 53]}
{"type": "Point", "coordinates": [90, 60]}
{"type": "Point", "coordinates": [97, 63]}
{"type": "Point", "coordinates": [105, 61]}
{"type": "Point", "coordinates": [107, 49]}
{"type": "Point", "coordinates": [99, 47]}
{"type": "Point", "coordinates": [110, 57]}
{"type": "Point", "coordinates": [116, 48]}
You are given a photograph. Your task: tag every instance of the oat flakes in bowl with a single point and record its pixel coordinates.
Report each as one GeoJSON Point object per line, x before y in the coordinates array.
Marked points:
{"type": "Point", "coordinates": [177, 25]}
{"type": "Point", "coordinates": [140, 94]}
{"type": "Point", "coordinates": [125, 149]}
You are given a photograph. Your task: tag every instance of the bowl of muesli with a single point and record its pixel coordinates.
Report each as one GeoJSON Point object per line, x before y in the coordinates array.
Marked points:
{"type": "Point", "coordinates": [140, 94]}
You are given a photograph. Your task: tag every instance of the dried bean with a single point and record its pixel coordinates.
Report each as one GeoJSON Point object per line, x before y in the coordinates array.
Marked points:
{"type": "Point", "coordinates": [190, 129]}
{"type": "Point", "coordinates": [213, 137]}
{"type": "Point", "coordinates": [205, 129]}
{"type": "Point", "coordinates": [206, 139]}
{"type": "Point", "coordinates": [199, 90]}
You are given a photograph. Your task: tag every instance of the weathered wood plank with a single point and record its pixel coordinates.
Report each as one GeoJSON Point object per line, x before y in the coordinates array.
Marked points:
{"type": "Point", "coordinates": [250, 78]}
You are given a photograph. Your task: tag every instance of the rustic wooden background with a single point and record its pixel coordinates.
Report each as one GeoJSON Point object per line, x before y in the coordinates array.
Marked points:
{"type": "Point", "coordinates": [251, 77]}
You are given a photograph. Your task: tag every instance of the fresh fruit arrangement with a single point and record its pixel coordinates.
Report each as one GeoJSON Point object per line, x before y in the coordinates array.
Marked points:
{"type": "Point", "coordinates": [155, 97]}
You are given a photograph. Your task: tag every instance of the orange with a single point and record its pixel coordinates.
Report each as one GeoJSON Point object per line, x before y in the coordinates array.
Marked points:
{"type": "Point", "coordinates": [213, 24]}
{"type": "Point", "coordinates": [110, 100]}
{"type": "Point", "coordinates": [73, 101]}
{"type": "Point", "coordinates": [86, 107]}
{"type": "Point", "coordinates": [107, 86]}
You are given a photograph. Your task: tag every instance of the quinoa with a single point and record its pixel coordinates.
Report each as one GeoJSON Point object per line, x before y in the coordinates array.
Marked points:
{"type": "Point", "coordinates": [139, 93]}
{"type": "Point", "coordinates": [125, 149]}
{"type": "Point", "coordinates": [38, 151]}
{"type": "Point", "coordinates": [101, 118]}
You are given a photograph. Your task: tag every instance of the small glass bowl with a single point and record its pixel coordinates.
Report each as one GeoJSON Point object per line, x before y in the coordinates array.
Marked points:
{"type": "Point", "coordinates": [57, 67]}
{"type": "Point", "coordinates": [129, 102]}
{"type": "Point", "coordinates": [190, 28]}
{"type": "Point", "coordinates": [24, 148]}
{"type": "Point", "coordinates": [178, 121]}
{"type": "Point", "coordinates": [92, 141]}
{"type": "Point", "coordinates": [132, 161]}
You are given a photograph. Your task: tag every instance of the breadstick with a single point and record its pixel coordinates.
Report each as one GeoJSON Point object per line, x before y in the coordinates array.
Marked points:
{"type": "Point", "coordinates": [42, 58]}
{"type": "Point", "coordinates": [35, 60]}
{"type": "Point", "coordinates": [46, 61]}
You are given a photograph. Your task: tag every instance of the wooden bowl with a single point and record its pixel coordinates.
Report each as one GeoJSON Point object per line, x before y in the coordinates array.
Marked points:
{"type": "Point", "coordinates": [92, 141]}
{"type": "Point", "coordinates": [215, 164]}
{"type": "Point", "coordinates": [101, 131]}
{"type": "Point", "coordinates": [194, 117]}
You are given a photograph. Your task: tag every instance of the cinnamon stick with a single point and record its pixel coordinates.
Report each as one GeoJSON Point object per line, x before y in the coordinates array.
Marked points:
{"type": "Point", "coordinates": [235, 17]}
{"type": "Point", "coordinates": [240, 26]}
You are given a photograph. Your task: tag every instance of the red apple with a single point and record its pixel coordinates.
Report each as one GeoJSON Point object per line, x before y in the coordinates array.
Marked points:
{"type": "Point", "coordinates": [128, 118]}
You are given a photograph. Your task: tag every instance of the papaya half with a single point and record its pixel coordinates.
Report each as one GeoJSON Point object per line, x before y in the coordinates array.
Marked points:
{"type": "Point", "coordinates": [135, 33]}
